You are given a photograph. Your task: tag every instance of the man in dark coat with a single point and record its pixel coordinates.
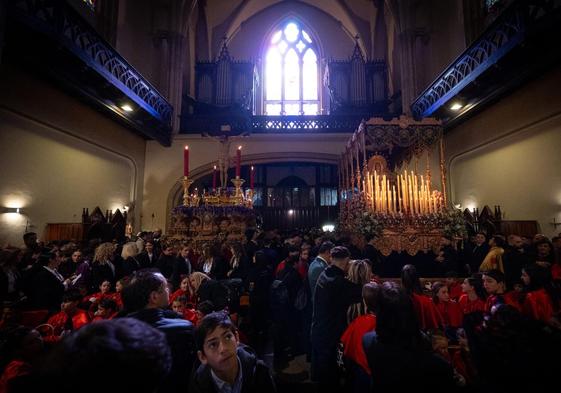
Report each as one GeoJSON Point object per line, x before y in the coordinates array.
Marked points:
{"type": "Point", "coordinates": [333, 295]}
{"type": "Point", "coordinates": [145, 298]}
{"type": "Point", "coordinates": [47, 284]}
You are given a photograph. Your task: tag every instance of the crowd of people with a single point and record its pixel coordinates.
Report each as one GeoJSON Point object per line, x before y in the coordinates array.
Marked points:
{"type": "Point", "coordinates": [177, 315]}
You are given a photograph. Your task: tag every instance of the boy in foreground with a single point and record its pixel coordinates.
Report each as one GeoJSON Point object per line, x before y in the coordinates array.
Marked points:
{"type": "Point", "coordinates": [226, 365]}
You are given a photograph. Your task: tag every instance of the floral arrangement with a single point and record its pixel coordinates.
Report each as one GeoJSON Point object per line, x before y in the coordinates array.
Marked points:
{"type": "Point", "coordinates": [355, 217]}
{"type": "Point", "coordinates": [369, 224]}
{"type": "Point", "coordinates": [454, 223]}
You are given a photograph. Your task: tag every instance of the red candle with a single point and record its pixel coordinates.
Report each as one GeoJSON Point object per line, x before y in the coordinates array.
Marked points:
{"type": "Point", "coordinates": [186, 161]}
{"type": "Point", "coordinates": [238, 161]}
{"type": "Point", "coordinates": [251, 177]}
{"type": "Point", "coordinates": [214, 178]}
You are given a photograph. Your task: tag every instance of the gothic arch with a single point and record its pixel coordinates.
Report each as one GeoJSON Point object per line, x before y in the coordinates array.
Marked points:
{"type": "Point", "coordinates": [253, 8]}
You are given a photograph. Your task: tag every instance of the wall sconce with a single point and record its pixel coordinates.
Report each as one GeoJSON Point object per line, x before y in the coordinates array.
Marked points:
{"type": "Point", "coordinates": [17, 210]}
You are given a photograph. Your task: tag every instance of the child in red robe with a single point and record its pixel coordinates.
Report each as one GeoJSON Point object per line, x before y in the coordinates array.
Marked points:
{"type": "Point", "coordinates": [454, 286]}
{"type": "Point", "coordinates": [106, 309]}
{"type": "Point", "coordinates": [474, 296]}
{"type": "Point", "coordinates": [494, 284]}
{"type": "Point", "coordinates": [450, 312]}
{"type": "Point", "coordinates": [541, 301]}
{"type": "Point", "coordinates": [182, 291]}
{"type": "Point", "coordinates": [119, 285]}
{"type": "Point", "coordinates": [358, 370]}
{"type": "Point", "coordinates": [70, 317]}
{"type": "Point", "coordinates": [352, 337]}
{"type": "Point", "coordinates": [180, 305]}
{"type": "Point", "coordinates": [427, 314]}
{"type": "Point", "coordinates": [104, 293]}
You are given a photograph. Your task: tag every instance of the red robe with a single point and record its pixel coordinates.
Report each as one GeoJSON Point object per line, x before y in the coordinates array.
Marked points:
{"type": "Point", "coordinates": [467, 306]}
{"type": "Point", "coordinates": [190, 315]}
{"type": "Point", "coordinates": [451, 314]}
{"type": "Point", "coordinates": [97, 298]}
{"type": "Point", "coordinates": [455, 291]}
{"type": "Point", "coordinates": [427, 314]}
{"type": "Point", "coordinates": [14, 369]}
{"type": "Point", "coordinates": [352, 339]}
{"type": "Point", "coordinates": [118, 299]}
{"type": "Point", "coordinates": [58, 321]}
{"type": "Point", "coordinates": [280, 267]}
{"type": "Point", "coordinates": [302, 269]}
{"type": "Point", "coordinates": [510, 298]}
{"type": "Point", "coordinates": [538, 305]}
{"type": "Point", "coordinates": [178, 293]}
{"type": "Point", "coordinates": [556, 271]}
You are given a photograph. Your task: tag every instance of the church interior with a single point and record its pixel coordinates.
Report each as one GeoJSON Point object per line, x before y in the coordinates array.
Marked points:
{"type": "Point", "coordinates": [300, 174]}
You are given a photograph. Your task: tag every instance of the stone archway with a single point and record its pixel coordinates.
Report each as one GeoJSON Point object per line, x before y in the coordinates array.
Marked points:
{"type": "Point", "coordinates": [175, 195]}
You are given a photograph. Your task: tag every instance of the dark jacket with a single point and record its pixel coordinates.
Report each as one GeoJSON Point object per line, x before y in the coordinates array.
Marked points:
{"type": "Point", "coordinates": [165, 265]}
{"type": "Point", "coordinates": [179, 334]}
{"type": "Point", "coordinates": [334, 294]}
{"type": "Point", "coordinates": [182, 267]}
{"type": "Point", "coordinates": [46, 291]}
{"type": "Point", "coordinates": [102, 272]}
{"type": "Point", "coordinates": [214, 291]}
{"type": "Point", "coordinates": [130, 265]}
{"type": "Point", "coordinates": [475, 254]}
{"type": "Point", "coordinates": [255, 375]}
{"type": "Point", "coordinates": [399, 369]}
{"type": "Point", "coordinates": [145, 261]}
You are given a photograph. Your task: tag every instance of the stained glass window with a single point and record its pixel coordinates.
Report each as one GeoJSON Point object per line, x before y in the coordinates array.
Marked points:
{"type": "Point", "coordinates": [291, 73]}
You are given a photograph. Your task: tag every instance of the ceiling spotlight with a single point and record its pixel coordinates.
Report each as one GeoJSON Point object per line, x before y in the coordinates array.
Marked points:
{"type": "Point", "coordinates": [290, 212]}
{"type": "Point", "coordinates": [456, 106]}
{"type": "Point", "coordinates": [126, 108]}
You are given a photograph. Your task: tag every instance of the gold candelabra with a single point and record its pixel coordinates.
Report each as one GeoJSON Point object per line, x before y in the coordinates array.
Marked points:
{"type": "Point", "coordinates": [186, 184]}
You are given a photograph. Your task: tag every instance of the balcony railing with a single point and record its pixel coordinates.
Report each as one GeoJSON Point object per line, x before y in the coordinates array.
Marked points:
{"type": "Point", "coordinates": [508, 31]}
{"type": "Point", "coordinates": [66, 29]}
{"type": "Point", "coordinates": [270, 124]}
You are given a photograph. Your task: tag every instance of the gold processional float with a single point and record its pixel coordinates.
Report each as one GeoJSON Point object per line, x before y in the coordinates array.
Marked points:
{"type": "Point", "coordinates": [384, 194]}
{"type": "Point", "coordinates": [219, 213]}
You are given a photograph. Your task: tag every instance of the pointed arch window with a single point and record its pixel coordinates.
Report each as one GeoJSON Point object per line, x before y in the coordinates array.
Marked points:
{"type": "Point", "coordinates": [291, 73]}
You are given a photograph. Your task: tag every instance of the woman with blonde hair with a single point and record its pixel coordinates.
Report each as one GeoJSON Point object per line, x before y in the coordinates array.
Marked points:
{"type": "Point", "coordinates": [359, 273]}
{"type": "Point", "coordinates": [203, 288]}
{"type": "Point", "coordinates": [130, 263]}
{"type": "Point", "coordinates": [195, 281]}
{"type": "Point", "coordinates": [103, 267]}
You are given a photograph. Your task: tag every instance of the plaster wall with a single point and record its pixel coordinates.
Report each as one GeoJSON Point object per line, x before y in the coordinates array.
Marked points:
{"type": "Point", "coordinates": [508, 155]}
{"type": "Point", "coordinates": [58, 155]}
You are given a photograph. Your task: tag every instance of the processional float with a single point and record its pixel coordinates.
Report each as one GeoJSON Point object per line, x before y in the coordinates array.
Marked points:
{"type": "Point", "coordinates": [386, 193]}
{"type": "Point", "coordinates": [220, 212]}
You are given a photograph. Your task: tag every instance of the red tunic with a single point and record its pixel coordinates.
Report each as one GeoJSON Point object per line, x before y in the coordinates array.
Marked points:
{"type": "Point", "coordinates": [451, 313]}
{"type": "Point", "coordinates": [302, 268]}
{"type": "Point", "coordinates": [14, 369]}
{"type": "Point", "coordinates": [176, 294]}
{"type": "Point", "coordinates": [352, 339]}
{"type": "Point", "coordinates": [96, 298]}
{"type": "Point", "coordinates": [58, 321]}
{"type": "Point", "coordinates": [467, 306]}
{"type": "Point", "coordinates": [280, 267]}
{"type": "Point", "coordinates": [538, 305]}
{"type": "Point", "coordinates": [510, 298]}
{"type": "Point", "coordinates": [118, 299]}
{"type": "Point", "coordinates": [428, 315]}
{"type": "Point", "coordinates": [190, 315]}
{"type": "Point", "coordinates": [455, 291]}
{"type": "Point", "coordinates": [556, 271]}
